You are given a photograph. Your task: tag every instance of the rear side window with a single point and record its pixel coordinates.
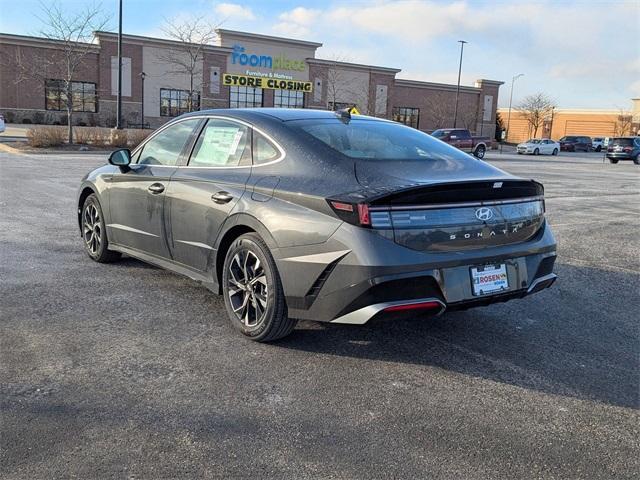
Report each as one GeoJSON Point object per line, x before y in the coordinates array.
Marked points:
{"type": "Point", "coordinates": [376, 140]}
{"type": "Point", "coordinates": [222, 144]}
{"type": "Point", "coordinates": [263, 150]}
{"type": "Point", "coordinates": [165, 147]}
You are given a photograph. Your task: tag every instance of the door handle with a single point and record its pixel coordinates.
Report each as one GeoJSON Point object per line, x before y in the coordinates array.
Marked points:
{"type": "Point", "coordinates": [221, 197]}
{"type": "Point", "coordinates": [156, 188]}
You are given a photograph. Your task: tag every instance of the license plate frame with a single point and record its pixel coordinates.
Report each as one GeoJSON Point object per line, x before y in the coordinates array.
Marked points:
{"type": "Point", "coordinates": [489, 279]}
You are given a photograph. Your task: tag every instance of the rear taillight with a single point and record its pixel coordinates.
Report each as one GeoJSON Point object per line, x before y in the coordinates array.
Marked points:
{"type": "Point", "coordinates": [353, 213]}
{"type": "Point", "coordinates": [363, 214]}
{"type": "Point", "coordinates": [627, 149]}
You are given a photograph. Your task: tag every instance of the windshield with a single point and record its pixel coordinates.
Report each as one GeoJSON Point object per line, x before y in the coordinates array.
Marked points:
{"type": "Point", "coordinates": [440, 133]}
{"type": "Point", "coordinates": [376, 140]}
{"type": "Point", "coordinates": [532, 140]}
{"type": "Point", "coordinates": [568, 139]}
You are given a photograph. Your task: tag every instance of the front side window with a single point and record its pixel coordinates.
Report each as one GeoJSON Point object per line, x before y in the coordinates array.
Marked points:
{"type": "Point", "coordinates": [245, 97]}
{"type": "Point", "coordinates": [288, 99]}
{"type": "Point", "coordinates": [83, 96]}
{"type": "Point", "coordinates": [407, 115]}
{"type": "Point", "coordinates": [222, 144]}
{"type": "Point", "coordinates": [165, 147]}
{"type": "Point", "coordinates": [375, 140]}
{"type": "Point", "coordinates": [176, 102]}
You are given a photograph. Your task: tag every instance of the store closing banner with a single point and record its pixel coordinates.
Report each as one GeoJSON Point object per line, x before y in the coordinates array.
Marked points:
{"type": "Point", "coordinates": [236, 80]}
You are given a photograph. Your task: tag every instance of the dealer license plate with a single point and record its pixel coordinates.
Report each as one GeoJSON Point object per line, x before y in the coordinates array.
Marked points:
{"type": "Point", "coordinates": [489, 279]}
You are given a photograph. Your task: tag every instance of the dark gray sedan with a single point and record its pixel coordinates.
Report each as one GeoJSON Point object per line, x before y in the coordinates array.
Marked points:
{"type": "Point", "coordinates": [304, 214]}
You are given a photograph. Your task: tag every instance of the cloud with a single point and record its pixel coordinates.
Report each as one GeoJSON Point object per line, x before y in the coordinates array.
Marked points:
{"type": "Point", "coordinates": [234, 11]}
{"type": "Point", "coordinates": [296, 22]}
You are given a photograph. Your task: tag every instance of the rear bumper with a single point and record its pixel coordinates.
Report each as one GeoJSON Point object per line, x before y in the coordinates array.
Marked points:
{"type": "Point", "coordinates": [620, 155]}
{"type": "Point", "coordinates": [361, 274]}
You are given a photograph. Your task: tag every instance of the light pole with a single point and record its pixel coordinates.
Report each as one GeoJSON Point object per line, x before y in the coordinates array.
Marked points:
{"type": "Point", "coordinates": [455, 112]}
{"type": "Point", "coordinates": [119, 102]}
{"type": "Point", "coordinates": [506, 137]}
{"type": "Point", "coordinates": [142, 77]}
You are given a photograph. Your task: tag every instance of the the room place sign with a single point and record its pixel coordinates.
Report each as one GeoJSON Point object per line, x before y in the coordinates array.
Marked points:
{"type": "Point", "coordinates": [236, 80]}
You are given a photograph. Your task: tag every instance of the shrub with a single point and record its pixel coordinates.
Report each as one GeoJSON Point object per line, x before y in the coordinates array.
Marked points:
{"type": "Point", "coordinates": [137, 136]}
{"type": "Point", "coordinates": [118, 138]}
{"type": "Point", "coordinates": [42, 137]}
{"type": "Point", "coordinates": [91, 135]}
{"type": "Point", "coordinates": [84, 136]}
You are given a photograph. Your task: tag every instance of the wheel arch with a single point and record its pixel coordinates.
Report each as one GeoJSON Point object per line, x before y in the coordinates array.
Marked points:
{"type": "Point", "coordinates": [84, 193]}
{"type": "Point", "coordinates": [235, 227]}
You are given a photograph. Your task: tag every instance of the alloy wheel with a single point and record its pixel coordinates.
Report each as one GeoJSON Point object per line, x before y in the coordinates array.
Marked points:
{"type": "Point", "coordinates": [247, 288]}
{"type": "Point", "coordinates": [92, 228]}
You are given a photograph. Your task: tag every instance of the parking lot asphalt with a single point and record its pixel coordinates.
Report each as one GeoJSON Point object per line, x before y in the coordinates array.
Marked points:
{"type": "Point", "coordinates": [128, 371]}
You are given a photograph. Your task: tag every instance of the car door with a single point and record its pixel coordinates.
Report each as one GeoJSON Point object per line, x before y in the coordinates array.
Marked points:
{"type": "Point", "coordinates": [204, 192]}
{"type": "Point", "coordinates": [137, 193]}
{"type": "Point", "coordinates": [465, 142]}
{"type": "Point", "coordinates": [547, 147]}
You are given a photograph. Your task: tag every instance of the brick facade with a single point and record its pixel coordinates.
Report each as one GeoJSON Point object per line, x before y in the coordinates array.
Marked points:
{"type": "Point", "coordinates": [375, 90]}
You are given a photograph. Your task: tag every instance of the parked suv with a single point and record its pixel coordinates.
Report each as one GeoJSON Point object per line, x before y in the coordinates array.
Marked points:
{"type": "Point", "coordinates": [597, 144]}
{"type": "Point", "coordinates": [624, 148]}
{"type": "Point", "coordinates": [573, 143]}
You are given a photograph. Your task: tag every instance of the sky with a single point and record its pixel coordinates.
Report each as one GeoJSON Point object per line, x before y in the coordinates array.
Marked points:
{"type": "Point", "coordinates": [583, 54]}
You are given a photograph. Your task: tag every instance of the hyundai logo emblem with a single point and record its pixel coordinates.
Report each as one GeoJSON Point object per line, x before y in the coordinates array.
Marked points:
{"type": "Point", "coordinates": [484, 213]}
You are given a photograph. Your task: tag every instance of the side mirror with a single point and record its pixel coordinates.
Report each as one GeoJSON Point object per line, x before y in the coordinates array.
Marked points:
{"type": "Point", "coordinates": [120, 158]}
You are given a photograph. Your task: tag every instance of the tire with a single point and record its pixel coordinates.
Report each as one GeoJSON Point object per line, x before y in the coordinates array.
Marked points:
{"type": "Point", "coordinates": [257, 308]}
{"type": "Point", "coordinates": [536, 152]}
{"type": "Point", "coordinates": [479, 151]}
{"type": "Point", "coordinates": [637, 159]}
{"type": "Point", "coordinates": [94, 232]}
{"type": "Point", "coordinates": [598, 148]}
{"type": "Point", "coordinates": [613, 160]}
{"type": "Point", "coordinates": [555, 151]}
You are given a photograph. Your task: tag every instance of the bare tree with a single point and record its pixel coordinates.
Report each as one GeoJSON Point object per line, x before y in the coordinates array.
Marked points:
{"type": "Point", "coordinates": [624, 124]}
{"type": "Point", "coordinates": [186, 57]}
{"type": "Point", "coordinates": [73, 35]}
{"type": "Point", "coordinates": [437, 113]}
{"type": "Point", "coordinates": [341, 86]}
{"type": "Point", "coordinates": [535, 108]}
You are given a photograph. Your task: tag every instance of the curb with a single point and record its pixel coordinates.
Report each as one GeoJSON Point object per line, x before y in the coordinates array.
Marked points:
{"type": "Point", "coordinates": [8, 149]}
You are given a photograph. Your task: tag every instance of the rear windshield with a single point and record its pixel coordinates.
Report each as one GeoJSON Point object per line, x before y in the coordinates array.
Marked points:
{"type": "Point", "coordinates": [624, 142]}
{"type": "Point", "coordinates": [375, 140]}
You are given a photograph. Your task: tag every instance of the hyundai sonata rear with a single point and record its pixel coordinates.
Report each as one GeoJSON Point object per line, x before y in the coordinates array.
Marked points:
{"type": "Point", "coordinates": [302, 214]}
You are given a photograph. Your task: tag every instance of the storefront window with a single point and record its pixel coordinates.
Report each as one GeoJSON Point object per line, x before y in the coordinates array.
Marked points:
{"type": "Point", "coordinates": [176, 102]}
{"type": "Point", "coordinates": [83, 95]}
{"type": "Point", "coordinates": [245, 97]}
{"type": "Point", "coordinates": [288, 99]}
{"type": "Point", "coordinates": [407, 115]}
